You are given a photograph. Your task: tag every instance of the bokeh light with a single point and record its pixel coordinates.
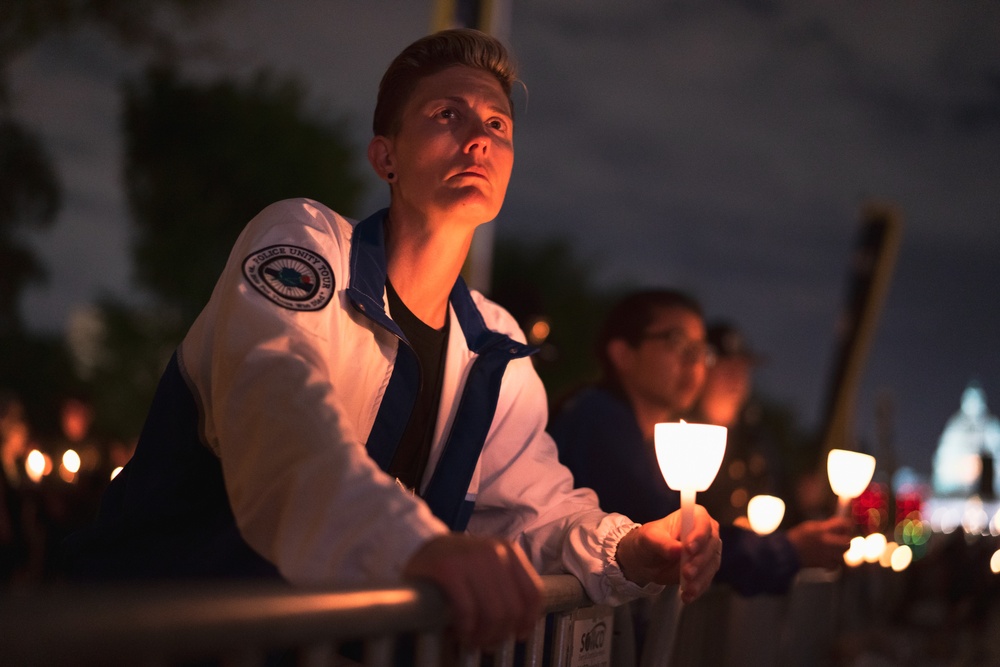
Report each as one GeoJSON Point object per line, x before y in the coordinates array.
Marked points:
{"type": "Point", "coordinates": [765, 513]}
{"type": "Point", "coordinates": [945, 520]}
{"type": "Point", "coordinates": [885, 560]}
{"type": "Point", "coordinates": [539, 331]}
{"type": "Point", "coordinates": [901, 558]}
{"type": "Point", "coordinates": [69, 466]}
{"type": "Point", "coordinates": [37, 465]}
{"type": "Point", "coordinates": [871, 509]}
{"type": "Point", "coordinates": [995, 524]}
{"type": "Point", "coordinates": [873, 547]}
{"type": "Point", "coordinates": [71, 461]}
{"type": "Point", "coordinates": [913, 530]}
{"type": "Point", "coordinates": [974, 518]}
{"type": "Point", "coordinates": [855, 554]}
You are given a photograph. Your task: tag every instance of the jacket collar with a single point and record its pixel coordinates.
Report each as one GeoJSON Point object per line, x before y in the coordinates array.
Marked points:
{"type": "Point", "coordinates": [367, 287]}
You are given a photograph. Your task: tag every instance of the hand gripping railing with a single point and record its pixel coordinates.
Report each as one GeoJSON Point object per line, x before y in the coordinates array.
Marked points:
{"type": "Point", "coordinates": [245, 624]}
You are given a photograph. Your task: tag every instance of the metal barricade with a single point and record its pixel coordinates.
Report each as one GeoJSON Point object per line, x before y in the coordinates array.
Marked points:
{"type": "Point", "coordinates": [252, 623]}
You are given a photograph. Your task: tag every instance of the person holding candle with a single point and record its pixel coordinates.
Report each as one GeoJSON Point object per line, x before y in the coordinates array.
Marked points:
{"type": "Point", "coordinates": [345, 411]}
{"type": "Point", "coordinates": [751, 465]}
{"type": "Point", "coordinates": [654, 357]}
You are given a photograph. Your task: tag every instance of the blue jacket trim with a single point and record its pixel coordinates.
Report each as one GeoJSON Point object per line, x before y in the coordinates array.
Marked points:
{"type": "Point", "coordinates": [446, 492]}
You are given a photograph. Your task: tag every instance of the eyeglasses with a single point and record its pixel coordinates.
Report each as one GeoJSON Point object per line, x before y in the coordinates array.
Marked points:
{"type": "Point", "coordinates": [677, 342]}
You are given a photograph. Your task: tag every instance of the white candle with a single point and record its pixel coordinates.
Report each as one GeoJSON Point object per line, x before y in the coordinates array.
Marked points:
{"type": "Point", "coordinates": [689, 456]}
{"type": "Point", "coordinates": [765, 513]}
{"type": "Point", "coordinates": [850, 474]}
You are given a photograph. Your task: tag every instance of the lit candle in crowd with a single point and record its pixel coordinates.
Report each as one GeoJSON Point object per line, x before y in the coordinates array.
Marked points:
{"type": "Point", "coordinates": [850, 474]}
{"type": "Point", "coordinates": [37, 465]}
{"type": "Point", "coordinates": [689, 456]}
{"type": "Point", "coordinates": [765, 513]}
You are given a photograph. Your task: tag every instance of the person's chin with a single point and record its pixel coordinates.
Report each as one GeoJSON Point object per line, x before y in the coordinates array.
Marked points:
{"type": "Point", "coordinates": [477, 205]}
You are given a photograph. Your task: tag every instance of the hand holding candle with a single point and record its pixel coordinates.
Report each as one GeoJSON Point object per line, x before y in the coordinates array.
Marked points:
{"type": "Point", "coordinates": [689, 456]}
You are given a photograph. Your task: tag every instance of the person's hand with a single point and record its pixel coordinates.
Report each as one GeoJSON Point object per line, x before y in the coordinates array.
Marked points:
{"type": "Point", "coordinates": [653, 553]}
{"type": "Point", "coordinates": [822, 543]}
{"type": "Point", "coordinates": [493, 589]}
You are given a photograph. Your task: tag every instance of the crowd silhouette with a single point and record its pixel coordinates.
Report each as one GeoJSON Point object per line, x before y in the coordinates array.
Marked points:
{"type": "Point", "coordinates": [53, 477]}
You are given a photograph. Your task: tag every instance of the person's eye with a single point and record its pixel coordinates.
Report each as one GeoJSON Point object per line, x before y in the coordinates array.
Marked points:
{"type": "Point", "coordinates": [447, 114]}
{"type": "Point", "coordinates": [497, 124]}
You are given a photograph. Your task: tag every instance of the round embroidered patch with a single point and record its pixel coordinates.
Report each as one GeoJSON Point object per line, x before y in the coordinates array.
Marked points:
{"type": "Point", "coordinates": [290, 276]}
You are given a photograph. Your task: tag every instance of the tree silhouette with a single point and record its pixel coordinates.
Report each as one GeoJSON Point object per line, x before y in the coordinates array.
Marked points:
{"type": "Point", "coordinates": [547, 282]}
{"type": "Point", "coordinates": [36, 366]}
{"type": "Point", "coordinates": [201, 160]}
{"type": "Point", "coordinates": [29, 197]}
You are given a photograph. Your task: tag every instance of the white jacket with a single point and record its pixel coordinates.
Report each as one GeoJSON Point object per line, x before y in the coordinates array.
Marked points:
{"type": "Point", "coordinates": [289, 365]}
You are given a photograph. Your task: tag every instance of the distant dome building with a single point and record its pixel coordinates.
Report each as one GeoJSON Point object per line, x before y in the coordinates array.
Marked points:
{"type": "Point", "coordinates": [969, 446]}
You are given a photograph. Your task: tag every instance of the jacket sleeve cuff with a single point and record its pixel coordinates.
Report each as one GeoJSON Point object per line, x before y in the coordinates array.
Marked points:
{"type": "Point", "coordinates": [619, 588]}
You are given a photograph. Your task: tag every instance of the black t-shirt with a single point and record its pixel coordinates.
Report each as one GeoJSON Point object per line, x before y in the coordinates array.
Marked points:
{"type": "Point", "coordinates": [429, 344]}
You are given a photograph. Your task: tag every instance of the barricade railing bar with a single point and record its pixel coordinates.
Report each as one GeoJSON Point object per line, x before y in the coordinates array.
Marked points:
{"type": "Point", "coordinates": [250, 623]}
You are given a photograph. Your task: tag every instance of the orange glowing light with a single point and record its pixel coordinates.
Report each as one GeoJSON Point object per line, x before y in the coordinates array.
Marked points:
{"type": "Point", "coordinates": [71, 461]}
{"type": "Point", "coordinates": [540, 330]}
{"type": "Point", "coordinates": [855, 555]}
{"type": "Point", "coordinates": [37, 465]}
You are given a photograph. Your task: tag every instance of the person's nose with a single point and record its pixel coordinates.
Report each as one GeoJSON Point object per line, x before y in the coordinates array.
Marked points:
{"type": "Point", "coordinates": [477, 138]}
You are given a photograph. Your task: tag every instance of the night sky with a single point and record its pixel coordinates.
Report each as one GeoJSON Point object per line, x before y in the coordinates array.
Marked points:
{"type": "Point", "coordinates": [726, 150]}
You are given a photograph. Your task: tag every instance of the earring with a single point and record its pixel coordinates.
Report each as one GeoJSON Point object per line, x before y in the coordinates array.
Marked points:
{"type": "Point", "coordinates": [391, 176]}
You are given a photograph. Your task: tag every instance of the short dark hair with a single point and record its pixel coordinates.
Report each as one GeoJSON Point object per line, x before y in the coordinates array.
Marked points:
{"type": "Point", "coordinates": [430, 55]}
{"type": "Point", "coordinates": [630, 316]}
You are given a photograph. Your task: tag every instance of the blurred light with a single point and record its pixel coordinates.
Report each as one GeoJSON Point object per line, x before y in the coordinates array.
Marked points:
{"type": "Point", "coordinates": [90, 457]}
{"type": "Point", "coordinates": [913, 531]}
{"type": "Point", "coordinates": [908, 501]}
{"type": "Point", "coordinates": [765, 513]}
{"type": "Point", "coordinates": [874, 546]}
{"type": "Point", "coordinates": [995, 524]}
{"type": "Point", "coordinates": [945, 519]}
{"type": "Point", "coordinates": [995, 562]}
{"type": "Point", "coordinates": [849, 472]}
{"type": "Point", "coordinates": [37, 465]}
{"type": "Point", "coordinates": [974, 519]}
{"type": "Point", "coordinates": [71, 461]}
{"type": "Point", "coordinates": [886, 559]}
{"type": "Point", "coordinates": [871, 509]}
{"type": "Point", "coordinates": [539, 331]}
{"type": "Point", "coordinates": [900, 559]}
{"type": "Point", "coordinates": [856, 553]}
{"type": "Point", "coordinates": [69, 466]}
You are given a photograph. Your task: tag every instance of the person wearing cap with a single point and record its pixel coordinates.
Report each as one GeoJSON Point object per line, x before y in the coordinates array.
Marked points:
{"type": "Point", "coordinates": [654, 357]}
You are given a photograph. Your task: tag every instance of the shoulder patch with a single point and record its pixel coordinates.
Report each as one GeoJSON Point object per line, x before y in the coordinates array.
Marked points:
{"type": "Point", "coordinates": [290, 276]}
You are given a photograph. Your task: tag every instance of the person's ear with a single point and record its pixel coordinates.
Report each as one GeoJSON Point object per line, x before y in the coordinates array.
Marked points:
{"type": "Point", "coordinates": [620, 354]}
{"type": "Point", "coordinates": [380, 158]}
